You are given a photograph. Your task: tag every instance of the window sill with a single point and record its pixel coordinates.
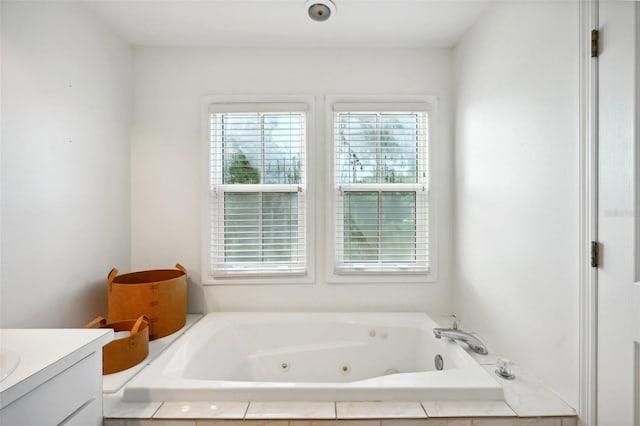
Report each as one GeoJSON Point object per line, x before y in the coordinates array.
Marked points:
{"type": "Point", "coordinates": [388, 278]}
{"type": "Point", "coordinates": [257, 279]}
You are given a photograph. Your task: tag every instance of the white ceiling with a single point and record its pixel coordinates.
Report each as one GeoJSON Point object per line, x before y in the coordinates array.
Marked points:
{"type": "Point", "coordinates": [284, 23]}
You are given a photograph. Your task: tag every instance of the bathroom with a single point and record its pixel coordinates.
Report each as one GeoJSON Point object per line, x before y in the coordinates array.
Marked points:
{"type": "Point", "coordinates": [104, 163]}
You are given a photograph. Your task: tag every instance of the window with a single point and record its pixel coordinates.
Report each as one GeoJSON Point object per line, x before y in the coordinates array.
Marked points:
{"type": "Point", "coordinates": [381, 188]}
{"type": "Point", "coordinates": [257, 189]}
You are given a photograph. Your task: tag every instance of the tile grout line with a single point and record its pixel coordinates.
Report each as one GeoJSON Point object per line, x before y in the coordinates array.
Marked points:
{"type": "Point", "coordinates": [511, 408]}
{"type": "Point", "coordinates": [424, 409]}
{"type": "Point", "coordinates": [156, 410]}
{"type": "Point", "coordinates": [246, 410]}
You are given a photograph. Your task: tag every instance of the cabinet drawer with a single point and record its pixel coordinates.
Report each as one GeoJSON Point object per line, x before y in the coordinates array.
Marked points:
{"type": "Point", "coordinates": [59, 397]}
{"type": "Point", "coordinates": [89, 415]}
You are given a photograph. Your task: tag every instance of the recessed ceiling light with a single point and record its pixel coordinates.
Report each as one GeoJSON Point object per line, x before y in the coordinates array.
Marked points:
{"type": "Point", "coordinates": [321, 10]}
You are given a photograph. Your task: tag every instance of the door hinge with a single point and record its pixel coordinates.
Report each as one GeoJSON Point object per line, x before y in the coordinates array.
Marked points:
{"type": "Point", "coordinates": [595, 253]}
{"type": "Point", "coordinates": [595, 43]}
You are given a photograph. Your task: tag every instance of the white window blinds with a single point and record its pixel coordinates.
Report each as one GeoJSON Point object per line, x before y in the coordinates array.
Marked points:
{"type": "Point", "coordinates": [257, 189]}
{"type": "Point", "coordinates": [381, 190]}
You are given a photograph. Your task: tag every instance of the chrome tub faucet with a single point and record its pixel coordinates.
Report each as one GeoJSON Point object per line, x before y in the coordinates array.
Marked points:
{"type": "Point", "coordinates": [472, 341]}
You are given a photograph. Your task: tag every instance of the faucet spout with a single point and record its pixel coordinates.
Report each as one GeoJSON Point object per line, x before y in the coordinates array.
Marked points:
{"type": "Point", "coordinates": [472, 341]}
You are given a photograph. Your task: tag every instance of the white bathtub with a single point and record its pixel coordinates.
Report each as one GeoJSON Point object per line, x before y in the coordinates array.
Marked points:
{"type": "Point", "coordinates": [312, 357]}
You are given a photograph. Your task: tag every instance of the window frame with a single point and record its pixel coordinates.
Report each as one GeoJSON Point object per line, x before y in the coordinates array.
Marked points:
{"type": "Point", "coordinates": [375, 103]}
{"type": "Point", "coordinates": [241, 103]}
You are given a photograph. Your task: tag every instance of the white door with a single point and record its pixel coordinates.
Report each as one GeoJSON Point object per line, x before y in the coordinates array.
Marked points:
{"type": "Point", "coordinates": [618, 287]}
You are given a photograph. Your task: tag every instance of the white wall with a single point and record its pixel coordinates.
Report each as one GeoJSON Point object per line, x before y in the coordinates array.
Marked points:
{"type": "Point", "coordinates": [516, 191]}
{"type": "Point", "coordinates": [65, 163]}
{"type": "Point", "coordinates": [167, 141]}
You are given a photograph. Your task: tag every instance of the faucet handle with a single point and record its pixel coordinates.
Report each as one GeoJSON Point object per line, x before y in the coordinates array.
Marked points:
{"type": "Point", "coordinates": [450, 321]}
{"type": "Point", "coordinates": [505, 368]}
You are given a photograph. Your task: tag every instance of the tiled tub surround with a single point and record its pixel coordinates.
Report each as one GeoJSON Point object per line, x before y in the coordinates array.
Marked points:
{"type": "Point", "coordinates": [543, 421]}
{"type": "Point", "coordinates": [527, 402]}
{"type": "Point", "coordinates": [313, 357]}
{"type": "Point", "coordinates": [357, 413]}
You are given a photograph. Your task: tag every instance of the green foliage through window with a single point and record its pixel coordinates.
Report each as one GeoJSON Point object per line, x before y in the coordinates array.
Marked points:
{"type": "Point", "coordinates": [381, 174]}
{"type": "Point", "coordinates": [258, 228]}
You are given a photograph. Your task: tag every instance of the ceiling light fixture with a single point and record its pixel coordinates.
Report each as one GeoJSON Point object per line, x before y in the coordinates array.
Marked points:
{"type": "Point", "coordinates": [321, 10]}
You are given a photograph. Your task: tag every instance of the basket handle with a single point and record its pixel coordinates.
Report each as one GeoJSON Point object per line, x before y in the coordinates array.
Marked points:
{"type": "Point", "coordinates": [112, 274]}
{"type": "Point", "coordinates": [182, 268]}
{"type": "Point", "coordinates": [110, 277]}
{"type": "Point", "coordinates": [97, 321]}
{"type": "Point", "coordinates": [136, 326]}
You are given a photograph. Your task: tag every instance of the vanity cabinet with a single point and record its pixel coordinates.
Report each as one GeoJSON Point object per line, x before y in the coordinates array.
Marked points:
{"type": "Point", "coordinates": [58, 380]}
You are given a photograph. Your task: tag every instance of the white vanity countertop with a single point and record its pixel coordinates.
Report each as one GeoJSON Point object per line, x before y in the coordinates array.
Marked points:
{"type": "Point", "coordinates": [44, 353]}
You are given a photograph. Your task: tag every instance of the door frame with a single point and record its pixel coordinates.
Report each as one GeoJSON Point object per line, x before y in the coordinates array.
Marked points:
{"type": "Point", "coordinates": [588, 221]}
{"type": "Point", "coordinates": [636, 203]}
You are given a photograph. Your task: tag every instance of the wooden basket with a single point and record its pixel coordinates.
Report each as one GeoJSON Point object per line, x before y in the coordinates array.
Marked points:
{"type": "Point", "coordinates": [160, 295]}
{"type": "Point", "coordinates": [125, 352]}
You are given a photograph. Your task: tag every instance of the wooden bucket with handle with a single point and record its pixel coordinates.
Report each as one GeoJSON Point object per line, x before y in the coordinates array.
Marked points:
{"type": "Point", "coordinates": [160, 295]}
{"type": "Point", "coordinates": [125, 352]}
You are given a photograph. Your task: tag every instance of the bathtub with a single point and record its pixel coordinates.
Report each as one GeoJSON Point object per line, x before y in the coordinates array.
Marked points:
{"type": "Point", "coordinates": [312, 357]}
